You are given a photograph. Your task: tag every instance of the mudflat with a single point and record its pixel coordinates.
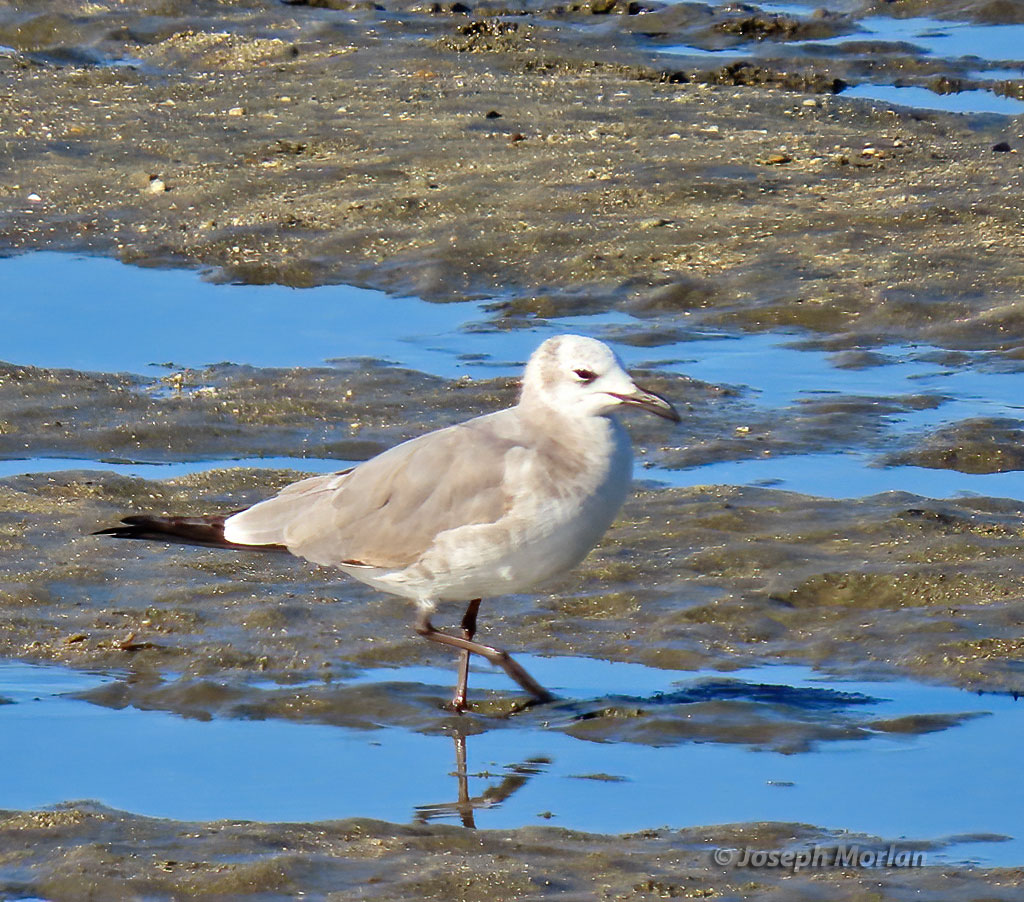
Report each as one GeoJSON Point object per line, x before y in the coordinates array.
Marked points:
{"type": "Point", "coordinates": [546, 156]}
{"type": "Point", "coordinates": [540, 154]}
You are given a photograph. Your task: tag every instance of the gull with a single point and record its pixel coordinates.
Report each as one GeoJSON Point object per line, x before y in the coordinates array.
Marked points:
{"type": "Point", "coordinates": [495, 505]}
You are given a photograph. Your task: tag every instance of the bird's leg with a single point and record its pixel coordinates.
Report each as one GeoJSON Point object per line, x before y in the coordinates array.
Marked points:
{"type": "Point", "coordinates": [496, 656]}
{"type": "Point", "coordinates": [468, 631]}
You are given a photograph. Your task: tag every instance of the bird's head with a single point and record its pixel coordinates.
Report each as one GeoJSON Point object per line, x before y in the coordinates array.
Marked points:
{"type": "Point", "coordinates": [584, 377]}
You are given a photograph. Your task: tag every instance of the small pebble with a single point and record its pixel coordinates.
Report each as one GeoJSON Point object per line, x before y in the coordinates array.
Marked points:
{"type": "Point", "coordinates": [237, 111]}
{"type": "Point", "coordinates": [33, 198]}
{"type": "Point", "coordinates": [1002, 147]}
{"type": "Point", "coordinates": [157, 185]}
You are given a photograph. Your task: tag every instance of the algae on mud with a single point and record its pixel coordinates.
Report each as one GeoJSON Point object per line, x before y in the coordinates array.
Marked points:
{"type": "Point", "coordinates": [304, 145]}
{"type": "Point", "coordinates": [81, 851]}
{"type": "Point", "coordinates": [702, 577]}
{"type": "Point", "coordinates": [358, 408]}
{"type": "Point", "coordinates": [712, 576]}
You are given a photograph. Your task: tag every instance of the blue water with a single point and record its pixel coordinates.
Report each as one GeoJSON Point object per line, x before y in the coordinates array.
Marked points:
{"type": "Point", "coordinates": [842, 475]}
{"type": "Point", "coordinates": [921, 98]}
{"type": "Point", "coordinates": [159, 764]}
{"type": "Point", "coordinates": [828, 475]}
{"type": "Point", "coordinates": [937, 37]}
{"type": "Point", "coordinates": [122, 318]}
{"type": "Point", "coordinates": [773, 372]}
{"type": "Point", "coordinates": [154, 763]}
{"type": "Point", "coordinates": [1009, 72]}
{"type": "Point", "coordinates": [173, 470]}
{"type": "Point", "coordinates": [932, 37]}
{"type": "Point", "coordinates": [132, 317]}
{"type": "Point", "coordinates": [946, 39]}
{"type": "Point", "coordinates": [96, 314]}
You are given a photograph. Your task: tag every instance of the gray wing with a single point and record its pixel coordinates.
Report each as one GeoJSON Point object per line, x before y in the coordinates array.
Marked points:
{"type": "Point", "coordinates": [386, 512]}
{"type": "Point", "coordinates": [265, 523]}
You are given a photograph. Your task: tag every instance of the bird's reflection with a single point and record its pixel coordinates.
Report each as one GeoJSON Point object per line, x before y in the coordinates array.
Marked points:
{"type": "Point", "coordinates": [466, 806]}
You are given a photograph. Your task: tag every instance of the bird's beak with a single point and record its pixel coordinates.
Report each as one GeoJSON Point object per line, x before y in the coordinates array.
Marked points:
{"type": "Point", "coordinates": [649, 401]}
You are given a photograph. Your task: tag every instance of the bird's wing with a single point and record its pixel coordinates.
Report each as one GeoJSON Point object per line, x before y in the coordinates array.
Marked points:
{"type": "Point", "coordinates": [265, 523]}
{"type": "Point", "coordinates": [386, 512]}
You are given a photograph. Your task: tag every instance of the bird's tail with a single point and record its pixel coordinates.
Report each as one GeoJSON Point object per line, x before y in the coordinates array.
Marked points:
{"type": "Point", "coordinates": [208, 531]}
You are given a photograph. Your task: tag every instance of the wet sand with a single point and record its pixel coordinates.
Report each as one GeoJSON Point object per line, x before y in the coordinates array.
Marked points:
{"type": "Point", "coordinates": [363, 859]}
{"type": "Point", "coordinates": [688, 578]}
{"type": "Point", "coordinates": [548, 159]}
{"type": "Point", "coordinates": [303, 145]}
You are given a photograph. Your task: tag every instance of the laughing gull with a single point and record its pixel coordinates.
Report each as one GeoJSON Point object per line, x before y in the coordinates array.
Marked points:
{"type": "Point", "coordinates": [495, 505]}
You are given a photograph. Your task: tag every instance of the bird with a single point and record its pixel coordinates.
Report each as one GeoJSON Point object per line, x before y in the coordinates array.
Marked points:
{"type": "Point", "coordinates": [494, 505]}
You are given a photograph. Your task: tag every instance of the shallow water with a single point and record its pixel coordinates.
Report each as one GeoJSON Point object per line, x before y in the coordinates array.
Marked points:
{"type": "Point", "coordinates": [957, 778]}
{"type": "Point", "coordinates": [772, 370]}
{"type": "Point", "coordinates": [931, 38]}
{"type": "Point", "coordinates": [945, 39]}
{"type": "Point", "coordinates": [828, 475]}
{"type": "Point", "coordinates": [524, 770]}
{"type": "Point", "coordinates": [138, 317]}
{"type": "Point", "coordinates": [977, 101]}
{"type": "Point", "coordinates": [146, 470]}
{"type": "Point", "coordinates": [1008, 72]}
{"type": "Point", "coordinates": [937, 37]}
{"type": "Point", "coordinates": [147, 320]}
{"type": "Point", "coordinates": [842, 475]}
{"type": "Point", "coordinates": [888, 784]}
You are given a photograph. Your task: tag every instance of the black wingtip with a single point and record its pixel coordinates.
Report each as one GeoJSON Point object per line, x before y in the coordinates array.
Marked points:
{"type": "Point", "coordinates": [118, 532]}
{"type": "Point", "coordinates": [131, 528]}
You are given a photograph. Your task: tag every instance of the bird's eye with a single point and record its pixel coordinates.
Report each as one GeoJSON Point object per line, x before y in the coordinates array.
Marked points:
{"type": "Point", "coordinates": [586, 375]}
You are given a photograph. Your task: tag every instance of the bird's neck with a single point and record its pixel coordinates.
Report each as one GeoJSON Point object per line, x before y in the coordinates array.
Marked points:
{"type": "Point", "coordinates": [567, 427]}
